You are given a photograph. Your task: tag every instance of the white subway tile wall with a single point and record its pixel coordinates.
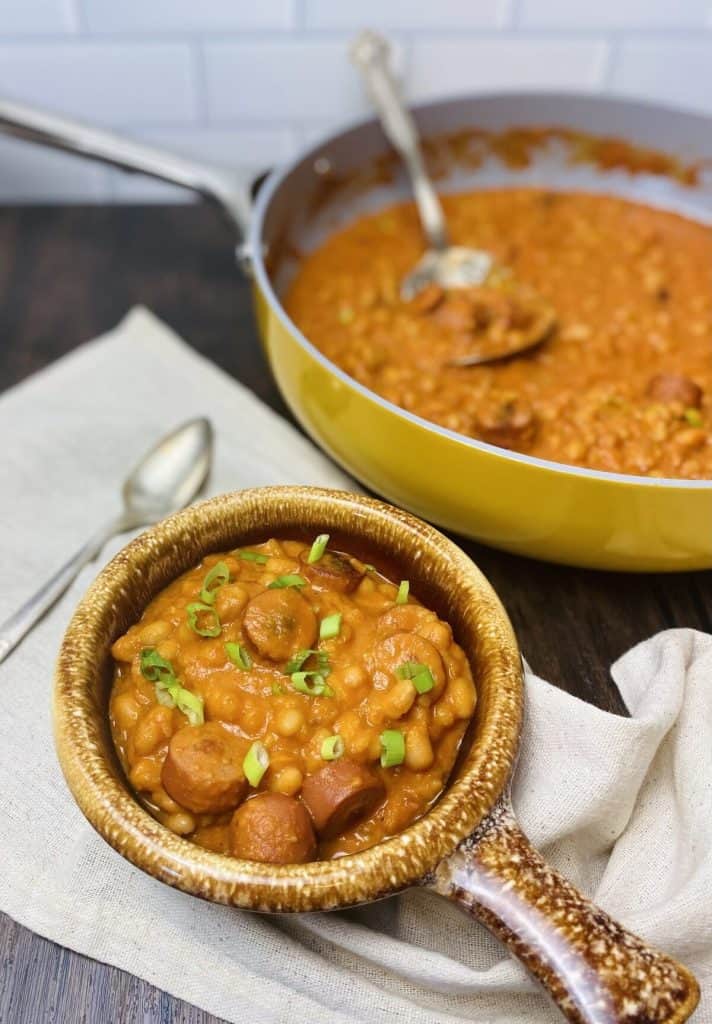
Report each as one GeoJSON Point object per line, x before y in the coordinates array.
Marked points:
{"type": "Point", "coordinates": [246, 82]}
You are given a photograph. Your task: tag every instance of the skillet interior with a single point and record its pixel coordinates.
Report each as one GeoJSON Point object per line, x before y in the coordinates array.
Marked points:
{"type": "Point", "coordinates": [355, 172]}
{"type": "Point", "coordinates": [346, 175]}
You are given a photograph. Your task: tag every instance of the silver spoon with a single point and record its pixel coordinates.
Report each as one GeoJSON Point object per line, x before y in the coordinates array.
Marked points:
{"type": "Point", "coordinates": [166, 479]}
{"type": "Point", "coordinates": [445, 265]}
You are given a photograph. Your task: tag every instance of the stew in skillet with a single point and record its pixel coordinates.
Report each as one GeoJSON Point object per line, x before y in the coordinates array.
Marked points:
{"type": "Point", "coordinates": [624, 381]}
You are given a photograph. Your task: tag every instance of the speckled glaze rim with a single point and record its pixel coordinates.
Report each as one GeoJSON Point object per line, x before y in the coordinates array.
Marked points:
{"type": "Point", "coordinates": [123, 589]}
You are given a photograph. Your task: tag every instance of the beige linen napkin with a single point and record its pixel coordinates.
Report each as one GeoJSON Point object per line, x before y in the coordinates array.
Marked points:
{"type": "Point", "coordinates": [624, 807]}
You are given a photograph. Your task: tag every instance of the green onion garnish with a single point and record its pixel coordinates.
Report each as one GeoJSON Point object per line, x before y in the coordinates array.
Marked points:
{"type": "Point", "coordinates": [290, 580]}
{"type": "Point", "coordinates": [256, 763]}
{"type": "Point", "coordinates": [346, 314]}
{"type": "Point", "coordinates": [332, 748]}
{"type": "Point", "coordinates": [165, 692]}
{"type": "Point", "coordinates": [154, 667]}
{"type": "Point", "coordinates": [419, 674]}
{"type": "Point", "coordinates": [169, 691]}
{"type": "Point", "coordinates": [296, 662]}
{"type": "Point", "coordinates": [392, 748]}
{"type": "Point", "coordinates": [318, 548]}
{"type": "Point", "coordinates": [190, 704]}
{"type": "Point", "coordinates": [693, 417]}
{"type": "Point", "coordinates": [253, 556]}
{"type": "Point", "coordinates": [302, 657]}
{"type": "Point", "coordinates": [312, 684]}
{"type": "Point", "coordinates": [277, 689]}
{"type": "Point", "coordinates": [368, 567]}
{"type": "Point", "coordinates": [218, 575]}
{"type": "Point", "coordinates": [238, 655]}
{"type": "Point", "coordinates": [200, 610]}
{"type": "Point", "coordinates": [330, 626]}
{"type": "Point", "coordinates": [403, 591]}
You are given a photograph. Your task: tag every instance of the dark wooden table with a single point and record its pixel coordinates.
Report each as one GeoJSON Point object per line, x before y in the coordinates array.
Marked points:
{"type": "Point", "coordinates": [66, 275]}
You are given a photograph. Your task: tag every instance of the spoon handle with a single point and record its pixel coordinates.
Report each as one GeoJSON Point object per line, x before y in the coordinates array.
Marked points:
{"type": "Point", "coordinates": [370, 53]}
{"type": "Point", "coordinates": [19, 624]}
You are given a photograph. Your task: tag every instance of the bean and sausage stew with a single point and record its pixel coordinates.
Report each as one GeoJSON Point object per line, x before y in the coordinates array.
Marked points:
{"type": "Point", "coordinates": [286, 702]}
{"type": "Point", "coordinates": [623, 382]}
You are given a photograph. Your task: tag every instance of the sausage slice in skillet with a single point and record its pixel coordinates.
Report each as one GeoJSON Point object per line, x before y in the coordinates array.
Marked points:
{"type": "Point", "coordinates": [272, 828]}
{"type": "Point", "coordinates": [280, 622]}
{"type": "Point", "coordinates": [203, 769]}
{"type": "Point", "coordinates": [673, 387]}
{"type": "Point", "coordinates": [339, 794]}
{"type": "Point", "coordinates": [334, 570]}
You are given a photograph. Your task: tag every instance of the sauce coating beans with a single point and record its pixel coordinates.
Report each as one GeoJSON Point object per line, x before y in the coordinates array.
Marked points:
{"type": "Point", "coordinates": [285, 702]}
{"type": "Point", "coordinates": [624, 381]}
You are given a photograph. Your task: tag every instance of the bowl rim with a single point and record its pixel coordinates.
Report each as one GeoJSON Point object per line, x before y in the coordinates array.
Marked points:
{"type": "Point", "coordinates": [258, 252]}
{"type": "Point", "coordinates": [146, 565]}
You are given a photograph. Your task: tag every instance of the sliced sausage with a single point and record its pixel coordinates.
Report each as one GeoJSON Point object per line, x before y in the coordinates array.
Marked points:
{"type": "Point", "coordinates": [509, 425]}
{"type": "Point", "coordinates": [456, 314]}
{"type": "Point", "coordinates": [272, 828]}
{"type": "Point", "coordinates": [334, 571]}
{"type": "Point", "coordinates": [203, 769]}
{"type": "Point", "coordinates": [427, 299]}
{"type": "Point", "coordinates": [280, 622]}
{"type": "Point", "coordinates": [404, 618]}
{"type": "Point", "coordinates": [339, 794]}
{"type": "Point", "coordinates": [400, 648]}
{"type": "Point", "coordinates": [673, 387]}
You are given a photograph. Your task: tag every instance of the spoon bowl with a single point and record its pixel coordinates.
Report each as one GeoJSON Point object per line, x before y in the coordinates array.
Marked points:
{"type": "Point", "coordinates": [170, 474]}
{"type": "Point", "coordinates": [166, 479]}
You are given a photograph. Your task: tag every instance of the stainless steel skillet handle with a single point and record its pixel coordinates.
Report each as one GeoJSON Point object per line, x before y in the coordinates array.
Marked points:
{"type": "Point", "coordinates": [222, 186]}
{"type": "Point", "coordinates": [370, 53]}
{"type": "Point", "coordinates": [595, 970]}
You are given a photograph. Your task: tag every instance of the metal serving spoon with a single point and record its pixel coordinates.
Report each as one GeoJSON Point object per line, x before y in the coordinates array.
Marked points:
{"type": "Point", "coordinates": [165, 480]}
{"type": "Point", "coordinates": [444, 265]}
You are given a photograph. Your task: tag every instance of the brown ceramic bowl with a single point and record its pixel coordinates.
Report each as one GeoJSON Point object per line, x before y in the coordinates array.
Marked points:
{"type": "Point", "coordinates": [468, 847]}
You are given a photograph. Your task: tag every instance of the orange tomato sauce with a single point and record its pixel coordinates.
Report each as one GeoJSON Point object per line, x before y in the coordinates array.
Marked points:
{"type": "Point", "coordinates": [256, 697]}
{"type": "Point", "coordinates": [623, 383]}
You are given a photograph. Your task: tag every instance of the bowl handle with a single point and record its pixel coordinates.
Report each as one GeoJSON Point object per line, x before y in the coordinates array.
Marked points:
{"type": "Point", "coordinates": [595, 970]}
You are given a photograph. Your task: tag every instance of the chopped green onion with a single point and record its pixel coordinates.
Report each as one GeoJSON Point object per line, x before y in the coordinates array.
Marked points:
{"type": "Point", "coordinates": [693, 417]}
{"type": "Point", "coordinates": [392, 748]}
{"type": "Point", "coordinates": [419, 674]}
{"type": "Point", "coordinates": [190, 704]}
{"type": "Point", "coordinates": [312, 684]}
{"type": "Point", "coordinates": [330, 626]}
{"type": "Point", "coordinates": [165, 692]}
{"type": "Point", "coordinates": [346, 314]}
{"type": "Point", "coordinates": [403, 591]}
{"type": "Point", "coordinates": [368, 567]}
{"type": "Point", "coordinates": [253, 556]}
{"type": "Point", "coordinates": [173, 695]}
{"type": "Point", "coordinates": [154, 667]}
{"type": "Point", "coordinates": [169, 692]}
{"type": "Point", "coordinates": [299, 660]}
{"type": "Point", "coordinates": [218, 575]}
{"type": "Point", "coordinates": [198, 609]}
{"type": "Point", "coordinates": [332, 748]}
{"type": "Point", "coordinates": [256, 763]}
{"type": "Point", "coordinates": [318, 548]}
{"type": "Point", "coordinates": [290, 580]}
{"type": "Point", "coordinates": [238, 655]}
{"type": "Point", "coordinates": [277, 689]}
